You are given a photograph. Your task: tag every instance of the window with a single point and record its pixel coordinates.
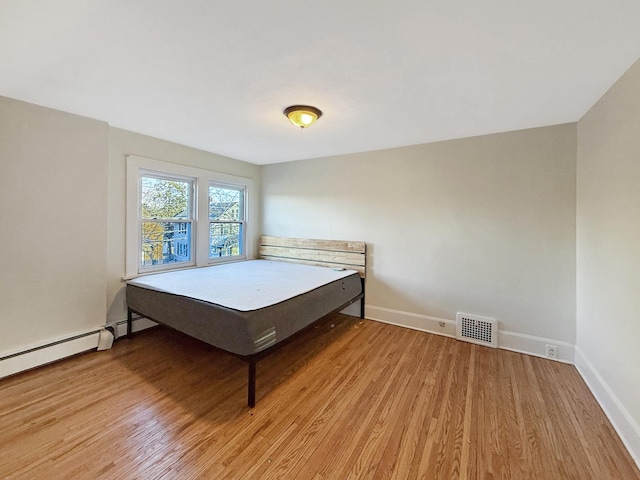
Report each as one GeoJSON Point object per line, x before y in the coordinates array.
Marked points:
{"type": "Point", "coordinates": [226, 220]}
{"type": "Point", "coordinates": [180, 216]}
{"type": "Point", "coordinates": [166, 218]}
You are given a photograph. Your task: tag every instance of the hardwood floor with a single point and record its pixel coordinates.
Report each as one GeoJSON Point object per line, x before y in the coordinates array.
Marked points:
{"type": "Point", "coordinates": [348, 399]}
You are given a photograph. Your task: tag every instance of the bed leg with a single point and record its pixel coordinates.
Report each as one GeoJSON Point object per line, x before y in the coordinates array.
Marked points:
{"type": "Point", "coordinates": [362, 299]}
{"type": "Point", "coordinates": [129, 322]}
{"type": "Point", "coordinates": [251, 391]}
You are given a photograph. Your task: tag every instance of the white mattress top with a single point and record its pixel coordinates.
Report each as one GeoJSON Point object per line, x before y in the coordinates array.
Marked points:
{"type": "Point", "coordinates": [243, 286]}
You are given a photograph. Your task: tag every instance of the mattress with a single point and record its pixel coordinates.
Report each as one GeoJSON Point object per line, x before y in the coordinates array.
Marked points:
{"type": "Point", "coordinates": [244, 307]}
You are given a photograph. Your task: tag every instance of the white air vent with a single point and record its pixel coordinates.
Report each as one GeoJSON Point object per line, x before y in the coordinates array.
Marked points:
{"type": "Point", "coordinates": [474, 329]}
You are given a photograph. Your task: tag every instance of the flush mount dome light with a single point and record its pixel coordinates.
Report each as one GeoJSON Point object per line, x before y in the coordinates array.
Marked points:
{"type": "Point", "coordinates": [302, 116]}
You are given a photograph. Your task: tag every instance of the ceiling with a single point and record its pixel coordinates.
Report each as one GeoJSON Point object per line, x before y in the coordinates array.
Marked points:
{"type": "Point", "coordinates": [216, 74]}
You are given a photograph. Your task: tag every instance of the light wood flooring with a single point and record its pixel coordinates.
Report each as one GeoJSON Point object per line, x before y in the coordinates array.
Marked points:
{"type": "Point", "coordinates": [347, 399]}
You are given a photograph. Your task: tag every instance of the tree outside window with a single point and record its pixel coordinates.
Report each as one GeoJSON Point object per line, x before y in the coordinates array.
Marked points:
{"type": "Point", "coordinates": [165, 212]}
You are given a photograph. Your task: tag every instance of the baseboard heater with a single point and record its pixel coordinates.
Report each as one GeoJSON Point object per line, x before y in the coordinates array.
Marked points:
{"type": "Point", "coordinates": [139, 323]}
{"type": "Point", "coordinates": [476, 329]}
{"type": "Point", "coordinates": [33, 357]}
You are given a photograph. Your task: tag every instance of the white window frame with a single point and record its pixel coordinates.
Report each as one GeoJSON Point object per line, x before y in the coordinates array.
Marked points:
{"type": "Point", "coordinates": [137, 166]}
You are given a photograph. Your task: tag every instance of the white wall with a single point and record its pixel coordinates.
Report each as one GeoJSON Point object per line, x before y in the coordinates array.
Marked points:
{"type": "Point", "coordinates": [483, 225]}
{"type": "Point", "coordinates": [608, 254]}
{"type": "Point", "coordinates": [53, 213]}
{"type": "Point", "coordinates": [121, 143]}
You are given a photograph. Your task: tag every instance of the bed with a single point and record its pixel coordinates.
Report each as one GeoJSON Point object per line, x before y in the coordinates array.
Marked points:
{"type": "Point", "coordinates": [250, 308]}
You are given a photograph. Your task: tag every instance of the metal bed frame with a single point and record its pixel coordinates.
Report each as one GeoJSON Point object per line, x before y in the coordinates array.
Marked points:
{"type": "Point", "coordinates": [328, 253]}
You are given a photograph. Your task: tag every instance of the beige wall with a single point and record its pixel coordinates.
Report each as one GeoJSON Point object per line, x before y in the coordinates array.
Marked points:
{"type": "Point", "coordinates": [121, 143]}
{"type": "Point", "coordinates": [53, 212]}
{"type": "Point", "coordinates": [483, 225]}
{"type": "Point", "coordinates": [62, 211]}
{"type": "Point", "coordinates": [608, 253]}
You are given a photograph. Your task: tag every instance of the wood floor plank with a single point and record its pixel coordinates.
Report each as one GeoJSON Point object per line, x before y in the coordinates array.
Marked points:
{"type": "Point", "coordinates": [348, 399]}
{"type": "Point", "coordinates": [319, 455]}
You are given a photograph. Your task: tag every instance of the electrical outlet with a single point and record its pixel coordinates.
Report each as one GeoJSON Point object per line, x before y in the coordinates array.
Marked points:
{"type": "Point", "coordinates": [551, 351]}
{"type": "Point", "coordinates": [441, 324]}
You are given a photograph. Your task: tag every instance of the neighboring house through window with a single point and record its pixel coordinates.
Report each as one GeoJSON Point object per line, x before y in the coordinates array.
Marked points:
{"type": "Point", "coordinates": [166, 218]}
{"type": "Point", "coordinates": [226, 220]}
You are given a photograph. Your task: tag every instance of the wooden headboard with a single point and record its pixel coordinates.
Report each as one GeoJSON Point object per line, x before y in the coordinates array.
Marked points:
{"type": "Point", "coordinates": [324, 253]}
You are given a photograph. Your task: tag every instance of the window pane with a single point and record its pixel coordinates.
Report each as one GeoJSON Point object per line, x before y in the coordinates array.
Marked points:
{"type": "Point", "coordinates": [225, 239]}
{"type": "Point", "coordinates": [162, 198]}
{"type": "Point", "coordinates": [165, 242]}
{"type": "Point", "coordinates": [226, 203]}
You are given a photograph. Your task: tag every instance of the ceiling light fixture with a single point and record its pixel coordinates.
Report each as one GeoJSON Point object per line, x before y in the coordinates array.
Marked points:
{"type": "Point", "coordinates": [302, 116]}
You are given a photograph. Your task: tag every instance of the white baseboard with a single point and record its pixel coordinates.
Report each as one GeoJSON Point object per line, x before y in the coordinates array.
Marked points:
{"type": "Point", "coordinates": [622, 421]}
{"type": "Point", "coordinates": [20, 361]}
{"type": "Point", "coordinates": [536, 346]}
{"type": "Point", "coordinates": [353, 309]}
{"type": "Point", "coordinates": [139, 323]}
{"type": "Point", "coordinates": [515, 342]}
{"type": "Point", "coordinates": [415, 321]}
